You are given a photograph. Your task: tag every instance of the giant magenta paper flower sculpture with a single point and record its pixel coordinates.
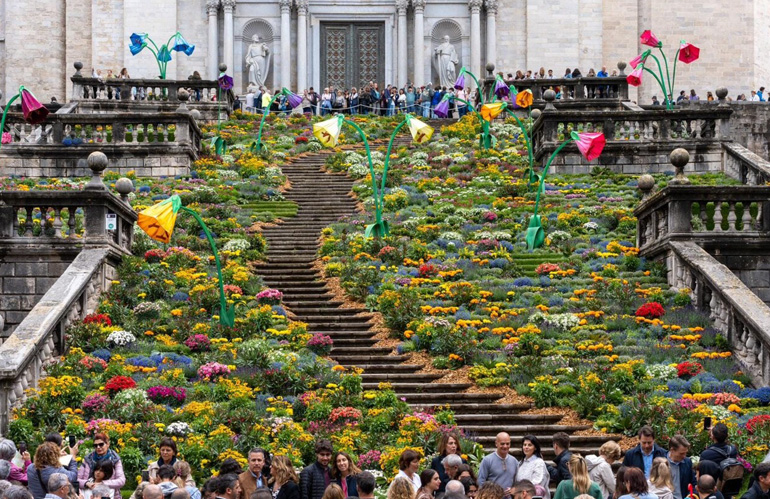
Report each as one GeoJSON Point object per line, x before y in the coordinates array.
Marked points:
{"type": "Point", "coordinates": [293, 99]}
{"type": "Point", "coordinates": [590, 145]}
{"type": "Point", "coordinates": [34, 112]}
{"type": "Point", "coordinates": [421, 131]}
{"type": "Point", "coordinates": [328, 132]}
{"type": "Point", "coordinates": [635, 78]}
{"type": "Point", "coordinates": [649, 39]}
{"type": "Point", "coordinates": [639, 59]}
{"type": "Point", "coordinates": [688, 52]}
{"type": "Point", "coordinates": [442, 108]}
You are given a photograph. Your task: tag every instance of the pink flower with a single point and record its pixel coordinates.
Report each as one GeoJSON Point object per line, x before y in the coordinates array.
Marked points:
{"type": "Point", "coordinates": [7, 139]}
{"type": "Point", "coordinates": [649, 39]}
{"type": "Point", "coordinates": [34, 111]}
{"type": "Point", "coordinates": [635, 78]}
{"type": "Point", "coordinates": [590, 145]}
{"type": "Point", "coordinates": [688, 52]}
{"type": "Point", "coordinates": [639, 59]}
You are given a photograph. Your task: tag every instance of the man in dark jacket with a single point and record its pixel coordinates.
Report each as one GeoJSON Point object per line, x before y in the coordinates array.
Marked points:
{"type": "Point", "coordinates": [314, 479]}
{"type": "Point", "coordinates": [761, 487]}
{"type": "Point", "coordinates": [720, 449]}
{"type": "Point", "coordinates": [643, 454]}
{"type": "Point", "coordinates": [682, 475]}
{"type": "Point", "coordinates": [560, 472]}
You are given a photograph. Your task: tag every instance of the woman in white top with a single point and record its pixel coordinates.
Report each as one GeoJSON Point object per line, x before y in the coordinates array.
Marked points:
{"type": "Point", "coordinates": [660, 479]}
{"type": "Point", "coordinates": [409, 464]}
{"type": "Point", "coordinates": [600, 467]}
{"type": "Point", "coordinates": [532, 467]}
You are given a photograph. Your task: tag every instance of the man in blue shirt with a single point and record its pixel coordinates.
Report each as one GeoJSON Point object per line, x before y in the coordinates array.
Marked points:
{"type": "Point", "coordinates": [602, 73]}
{"type": "Point", "coordinates": [642, 455]}
{"type": "Point", "coordinates": [681, 466]}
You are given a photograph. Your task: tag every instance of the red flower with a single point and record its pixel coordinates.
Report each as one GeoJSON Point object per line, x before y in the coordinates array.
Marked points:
{"type": "Point", "coordinates": [652, 310]}
{"type": "Point", "coordinates": [688, 53]}
{"type": "Point", "coordinates": [639, 59]}
{"type": "Point", "coordinates": [757, 421]}
{"type": "Point", "coordinates": [34, 111]}
{"type": "Point", "coordinates": [97, 319]}
{"type": "Point", "coordinates": [427, 270]}
{"type": "Point", "coordinates": [590, 145]}
{"type": "Point", "coordinates": [635, 78]}
{"type": "Point", "coordinates": [118, 384]}
{"type": "Point", "coordinates": [687, 369]}
{"type": "Point", "coordinates": [649, 39]}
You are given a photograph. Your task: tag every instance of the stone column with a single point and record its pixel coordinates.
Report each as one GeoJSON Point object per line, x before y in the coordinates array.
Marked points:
{"type": "Point", "coordinates": [491, 31]}
{"type": "Point", "coordinates": [212, 6]}
{"type": "Point", "coordinates": [286, 43]}
{"type": "Point", "coordinates": [229, 7]}
{"type": "Point", "coordinates": [301, 45]}
{"type": "Point", "coordinates": [475, 6]}
{"type": "Point", "coordinates": [401, 6]}
{"type": "Point", "coordinates": [419, 43]}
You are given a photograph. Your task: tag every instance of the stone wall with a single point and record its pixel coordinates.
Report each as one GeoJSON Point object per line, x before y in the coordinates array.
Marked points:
{"type": "Point", "coordinates": [749, 126]}
{"type": "Point", "coordinates": [752, 267]}
{"type": "Point", "coordinates": [26, 274]}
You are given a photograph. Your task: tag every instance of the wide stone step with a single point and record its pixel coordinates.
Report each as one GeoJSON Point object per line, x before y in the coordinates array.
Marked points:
{"type": "Point", "coordinates": [451, 398]}
{"type": "Point", "coordinates": [493, 409]}
{"type": "Point", "coordinates": [358, 333]}
{"type": "Point", "coordinates": [338, 318]}
{"type": "Point", "coordinates": [497, 419]}
{"type": "Point", "coordinates": [282, 266]}
{"type": "Point", "coordinates": [305, 303]}
{"type": "Point", "coordinates": [355, 360]}
{"type": "Point", "coordinates": [352, 342]}
{"type": "Point", "coordinates": [338, 351]}
{"type": "Point", "coordinates": [290, 298]}
{"type": "Point", "coordinates": [294, 281]}
{"type": "Point", "coordinates": [288, 272]}
{"type": "Point", "coordinates": [376, 368]}
{"type": "Point", "coordinates": [331, 311]}
{"type": "Point", "coordinates": [372, 378]}
{"type": "Point", "coordinates": [328, 327]}
{"type": "Point", "coordinates": [402, 388]}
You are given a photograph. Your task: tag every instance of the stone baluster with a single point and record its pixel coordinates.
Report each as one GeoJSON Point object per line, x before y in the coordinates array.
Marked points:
{"type": "Point", "coordinates": [731, 217]}
{"type": "Point", "coordinates": [419, 43]}
{"type": "Point", "coordinates": [718, 217]}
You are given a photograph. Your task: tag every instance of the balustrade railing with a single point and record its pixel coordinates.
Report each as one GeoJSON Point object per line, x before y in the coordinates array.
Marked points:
{"type": "Point", "coordinates": [148, 90]}
{"type": "Point", "coordinates": [702, 213]}
{"type": "Point", "coordinates": [115, 129]}
{"type": "Point", "coordinates": [40, 336]}
{"type": "Point", "coordinates": [740, 315]}
{"type": "Point", "coordinates": [66, 217]}
{"type": "Point", "coordinates": [583, 88]}
{"type": "Point", "coordinates": [742, 164]}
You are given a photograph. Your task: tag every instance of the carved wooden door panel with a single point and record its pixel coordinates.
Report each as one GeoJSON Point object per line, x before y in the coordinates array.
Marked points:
{"type": "Point", "coordinates": [352, 54]}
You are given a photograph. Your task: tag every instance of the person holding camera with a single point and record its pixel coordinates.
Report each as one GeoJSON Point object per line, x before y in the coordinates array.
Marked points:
{"type": "Point", "coordinates": [47, 463]}
{"type": "Point", "coordinates": [100, 453]}
{"type": "Point", "coordinates": [17, 475]}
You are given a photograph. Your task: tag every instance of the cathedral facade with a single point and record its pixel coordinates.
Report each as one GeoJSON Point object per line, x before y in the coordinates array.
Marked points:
{"type": "Point", "coordinates": [345, 43]}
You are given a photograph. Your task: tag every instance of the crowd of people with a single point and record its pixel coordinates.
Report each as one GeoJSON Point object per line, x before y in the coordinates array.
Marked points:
{"type": "Point", "coordinates": [648, 471]}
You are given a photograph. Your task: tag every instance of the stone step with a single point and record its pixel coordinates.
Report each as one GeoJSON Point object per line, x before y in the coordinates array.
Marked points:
{"type": "Point", "coordinates": [372, 368]}
{"type": "Point", "coordinates": [493, 409]}
{"type": "Point", "coordinates": [335, 319]}
{"type": "Point", "coordinates": [352, 342]}
{"type": "Point", "coordinates": [376, 378]}
{"type": "Point", "coordinates": [288, 272]}
{"type": "Point", "coordinates": [338, 351]}
{"type": "Point", "coordinates": [293, 297]}
{"type": "Point", "coordinates": [331, 311]}
{"type": "Point", "coordinates": [402, 388]}
{"type": "Point", "coordinates": [360, 333]}
{"type": "Point", "coordinates": [451, 398]}
{"type": "Point", "coordinates": [294, 282]}
{"type": "Point", "coordinates": [355, 360]}
{"type": "Point", "coordinates": [498, 419]}
{"type": "Point", "coordinates": [301, 304]}
{"type": "Point", "coordinates": [328, 328]}
{"type": "Point", "coordinates": [282, 265]}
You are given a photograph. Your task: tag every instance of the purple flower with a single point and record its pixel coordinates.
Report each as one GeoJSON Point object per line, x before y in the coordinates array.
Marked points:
{"type": "Point", "coordinates": [442, 108]}
{"type": "Point", "coordinates": [501, 90]}
{"type": "Point", "coordinates": [460, 82]}
{"type": "Point", "coordinates": [294, 99]}
{"type": "Point", "coordinates": [225, 82]}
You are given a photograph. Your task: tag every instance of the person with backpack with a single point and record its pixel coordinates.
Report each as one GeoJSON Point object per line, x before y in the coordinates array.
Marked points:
{"type": "Point", "coordinates": [313, 98]}
{"type": "Point", "coordinates": [725, 456]}
{"type": "Point", "coordinates": [682, 475]}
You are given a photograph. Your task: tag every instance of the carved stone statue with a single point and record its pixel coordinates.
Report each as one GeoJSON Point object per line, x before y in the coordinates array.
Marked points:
{"type": "Point", "coordinates": [258, 60]}
{"type": "Point", "coordinates": [445, 61]}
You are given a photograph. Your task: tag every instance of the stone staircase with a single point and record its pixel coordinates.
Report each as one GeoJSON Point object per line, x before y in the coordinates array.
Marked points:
{"type": "Point", "coordinates": [323, 198]}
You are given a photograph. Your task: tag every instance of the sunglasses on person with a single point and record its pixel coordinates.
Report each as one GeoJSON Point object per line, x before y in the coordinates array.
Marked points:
{"type": "Point", "coordinates": [99, 444]}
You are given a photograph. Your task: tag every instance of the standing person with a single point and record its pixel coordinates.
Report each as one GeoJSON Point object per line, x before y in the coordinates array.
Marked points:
{"type": "Point", "coordinates": [600, 467]}
{"type": "Point", "coordinates": [326, 102]}
{"type": "Point", "coordinates": [101, 452]}
{"type": "Point", "coordinates": [580, 483]}
{"type": "Point", "coordinates": [682, 475]}
{"type": "Point", "coordinates": [719, 450]}
{"type": "Point", "coordinates": [409, 465]}
{"type": "Point", "coordinates": [603, 72]}
{"type": "Point", "coordinates": [636, 485]}
{"type": "Point", "coordinates": [425, 100]}
{"type": "Point", "coordinates": [366, 484]}
{"type": "Point", "coordinates": [462, 108]}
{"type": "Point", "coordinates": [568, 73]}
{"type": "Point", "coordinates": [344, 472]}
{"type": "Point", "coordinates": [448, 444]}
{"type": "Point", "coordinates": [257, 474]}
{"type": "Point", "coordinates": [660, 479]}
{"type": "Point", "coordinates": [693, 96]}
{"type": "Point", "coordinates": [499, 467]}
{"type": "Point", "coordinates": [365, 100]}
{"type": "Point", "coordinates": [47, 463]}
{"type": "Point", "coordinates": [354, 101]}
{"type": "Point", "coordinates": [374, 95]}
{"type": "Point", "coordinates": [400, 488]}
{"type": "Point", "coordinates": [284, 479]}
{"type": "Point", "coordinates": [411, 98]}
{"type": "Point", "coordinates": [58, 486]}
{"type": "Point", "coordinates": [313, 98]}
{"type": "Point", "coordinates": [642, 455]}
{"type": "Point", "coordinates": [227, 487]}
{"type": "Point", "coordinates": [7, 453]}
{"type": "Point", "coordinates": [532, 467]}
{"type": "Point", "coordinates": [401, 101]}
{"type": "Point", "coordinates": [314, 479]}
{"type": "Point", "coordinates": [561, 449]}
{"type": "Point", "coordinates": [430, 484]}
{"type": "Point", "coordinates": [437, 96]}
{"type": "Point", "coordinates": [761, 487]}
{"type": "Point", "coordinates": [168, 452]}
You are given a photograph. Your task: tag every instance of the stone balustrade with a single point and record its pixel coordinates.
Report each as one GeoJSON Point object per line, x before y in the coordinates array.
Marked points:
{"type": "Point", "coordinates": [162, 144]}
{"type": "Point", "coordinates": [637, 140]}
{"type": "Point", "coordinates": [40, 337]}
{"type": "Point", "coordinates": [574, 89]}
{"type": "Point", "coordinates": [739, 314]}
{"type": "Point", "coordinates": [704, 215]}
{"type": "Point", "coordinates": [742, 164]}
{"type": "Point", "coordinates": [138, 89]}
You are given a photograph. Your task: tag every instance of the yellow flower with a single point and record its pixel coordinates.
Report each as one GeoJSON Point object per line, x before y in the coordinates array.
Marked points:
{"type": "Point", "coordinates": [328, 132]}
{"type": "Point", "coordinates": [158, 220]}
{"type": "Point", "coordinates": [421, 132]}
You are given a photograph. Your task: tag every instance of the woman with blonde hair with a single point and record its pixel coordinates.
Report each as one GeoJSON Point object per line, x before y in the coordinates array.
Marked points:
{"type": "Point", "coordinates": [400, 488]}
{"type": "Point", "coordinates": [580, 483]}
{"type": "Point", "coordinates": [660, 482]}
{"type": "Point", "coordinates": [344, 472]}
{"type": "Point", "coordinates": [183, 474]}
{"type": "Point", "coordinates": [284, 480]}
{"type": "Point", "coordinates": [490, 490]}
{"type": "Point", "coordinates": [600, 467]}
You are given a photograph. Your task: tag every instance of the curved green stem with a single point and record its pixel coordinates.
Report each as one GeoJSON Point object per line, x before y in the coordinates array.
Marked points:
{"type": "Point", "coordinates": [387, 159]}
{"type": "Point", "coordinates": [171, 38]}
{"type": "Point", "coordinates": [541, 186]}
{"type": "Point", "coordinates": [377, 206]}
{"type": "Point", "coordinates": [226, 314]}
{"type": "Point", "coordinates": [668, 75]}
{"type": "Point", "coordinates": [661, 80]}
{"type": "Point", "coordinates": [5, 112]}
{"type": "Point", "coordinates": [673, 80]}
{"type": "Point", "coordinates": [262, 123]}
{"type": "Point", "coordinates": [660, 83]}
{"type": "Point", "coordinates": [481, 93]}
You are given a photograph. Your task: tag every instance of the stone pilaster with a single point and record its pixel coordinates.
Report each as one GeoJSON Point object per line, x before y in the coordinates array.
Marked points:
{"type": "Point", "coordinates": [212, 9]}
{"type": "Point", "coordinates": [286, 43]}
{"type": "Point", "coordinates": [302, 6]}
{"type": "Point", "coordinates": [419, 43]}
{"type": "Point", "coordinates": [475, 8]}
{"type": "Point", "coordinates": [491, 31]}
{"type": "Point", "coordinates": [229, 7]}
{"type": "Point", "coordinates": [401, 6]}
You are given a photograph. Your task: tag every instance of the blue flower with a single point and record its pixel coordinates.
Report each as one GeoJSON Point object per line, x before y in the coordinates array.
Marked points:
{"type": "Point", "coordinates": [144, 188]}
{"type": "Point", "coordinates": [163, 54]}
{"type": "Point", "coordinates": [103, 354]}
{"type": "Point", "coordinates": [138, 42]}
{"type": "Point", "coordinates": [181, 45]}
{"type": "Point", "coordinates": [522, 282]}
{"type": "Point", "coordinates": [180, 296]}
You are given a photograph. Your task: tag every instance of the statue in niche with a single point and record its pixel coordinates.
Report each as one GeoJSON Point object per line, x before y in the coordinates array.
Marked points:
{"type": "Point", "coordinates": [258, 60]}
{"type": "Point", "coordinates": [445, 61]}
